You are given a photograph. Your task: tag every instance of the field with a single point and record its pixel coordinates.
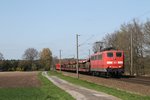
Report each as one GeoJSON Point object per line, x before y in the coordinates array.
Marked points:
{"type": "Point", "coordinates": [19, 79]}
{"type": "Point", "coordinates": [29, 86]}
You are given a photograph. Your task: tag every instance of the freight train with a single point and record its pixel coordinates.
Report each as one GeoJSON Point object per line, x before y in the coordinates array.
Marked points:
{"type": "Point", "coordinates": [109, 62]}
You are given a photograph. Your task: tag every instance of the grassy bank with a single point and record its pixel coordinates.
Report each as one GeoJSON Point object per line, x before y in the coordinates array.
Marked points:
{"type": "Point", "coordinates": [47, 91]}
{"type": "Point", "coordinates": [112, 91]}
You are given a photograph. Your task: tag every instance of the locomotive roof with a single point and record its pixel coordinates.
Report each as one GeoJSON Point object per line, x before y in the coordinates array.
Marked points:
{"type": "Point", "coordinates": [106, 51]}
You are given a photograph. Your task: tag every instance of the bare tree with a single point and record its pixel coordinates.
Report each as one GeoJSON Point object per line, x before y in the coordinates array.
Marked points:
{"type": "Point", "coordinates": [1, 56]}
{"type": "Point", "coordinates": [147, 46]}
{"type": "Point", "coordinates": [147, 37]}
{"type": "Point", "coordinates": [136, 29]}
{"type": "Point", "coordinates": [30, 54]}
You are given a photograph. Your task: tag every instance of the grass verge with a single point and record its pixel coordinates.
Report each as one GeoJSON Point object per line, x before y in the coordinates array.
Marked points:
{"type": "Point", "coordinates": [112, 91]}
{"type": "Point", "coordinates": [47, 91]}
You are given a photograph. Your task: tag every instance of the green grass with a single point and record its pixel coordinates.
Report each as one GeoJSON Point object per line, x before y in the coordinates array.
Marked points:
{"type": "Point", "coordinates": [112, 91]}
{"type": "Point", "coordinates": [47, 91]}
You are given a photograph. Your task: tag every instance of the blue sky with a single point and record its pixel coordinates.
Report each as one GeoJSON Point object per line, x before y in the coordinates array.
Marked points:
{"type": "Point", "coordinates": [54, 23]}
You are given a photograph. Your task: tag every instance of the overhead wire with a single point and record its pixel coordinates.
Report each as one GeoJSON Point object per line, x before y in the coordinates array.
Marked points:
{"type": "Point", "coordinates": [148, 12]}
{"type": "Point", "coordinates": [86, 40]}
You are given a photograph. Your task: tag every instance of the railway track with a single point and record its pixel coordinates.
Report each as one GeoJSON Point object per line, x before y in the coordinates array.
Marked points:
{"type": "Point", "coordinates": [137, 80]}
{"type": "Point", "coordinates": [131, 79]}
{"type": "Point", "coordinates": [126, 78]}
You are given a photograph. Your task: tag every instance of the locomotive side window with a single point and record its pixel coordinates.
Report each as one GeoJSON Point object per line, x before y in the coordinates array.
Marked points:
{"type": "Point", "coordinates": [100, 57]}
{"type": "Point", "coordinates": [118, 54]}
{"type": "Point", "coordinates": [109, 54]}
{"type": "Point", "coordinates": [95, 58]}
{"type": "Point", "coordinates": [92, 57]}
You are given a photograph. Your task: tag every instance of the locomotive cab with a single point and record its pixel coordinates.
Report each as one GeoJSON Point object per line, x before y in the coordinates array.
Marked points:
{"type": "Point", "coordinates": [114, 62]}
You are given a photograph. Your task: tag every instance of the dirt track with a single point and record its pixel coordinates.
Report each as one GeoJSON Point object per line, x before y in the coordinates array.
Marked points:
{"type": "Point", "coordinates": [19, 79]}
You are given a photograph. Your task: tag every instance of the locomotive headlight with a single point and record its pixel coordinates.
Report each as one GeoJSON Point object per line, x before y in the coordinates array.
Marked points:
{"type": "Point", "coordinates": [109, 62]}
{"type": "Point", "coordinates": [120, 62]}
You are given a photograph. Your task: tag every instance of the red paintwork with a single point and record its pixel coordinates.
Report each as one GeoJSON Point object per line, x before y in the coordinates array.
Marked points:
{"type": "Point", "coordinates": [108, 62]}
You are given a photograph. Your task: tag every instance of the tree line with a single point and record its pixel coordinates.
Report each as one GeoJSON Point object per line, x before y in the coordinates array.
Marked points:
{"type": "Point", "coordinates": [135, 31]}
{"type": "Point", "coordinates": [133, 36]}
{"type": "Point", "coordinates": [32, 60]}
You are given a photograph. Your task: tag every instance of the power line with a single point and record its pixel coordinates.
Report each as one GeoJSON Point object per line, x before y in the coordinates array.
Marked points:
{"type": "Point", "coordinates": [148, 12]}
{"type": "Point", "coordinates": [139, 16]}
{"type": "Point", "coordinates": [86, 40]}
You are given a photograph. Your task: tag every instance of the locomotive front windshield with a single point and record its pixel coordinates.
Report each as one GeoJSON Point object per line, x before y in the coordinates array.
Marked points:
{"type": "Point", "coordinates": [109, 54]}
{"type": "Point", "coordinates": [118, 54]}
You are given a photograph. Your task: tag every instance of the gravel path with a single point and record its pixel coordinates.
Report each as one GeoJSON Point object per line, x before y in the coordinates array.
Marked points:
{"type": "Point", "coordinates": [79, 93]}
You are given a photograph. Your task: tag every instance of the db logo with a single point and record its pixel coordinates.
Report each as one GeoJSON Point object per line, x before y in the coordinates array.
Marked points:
{"type": "Point", "coordinates": [115, 62]}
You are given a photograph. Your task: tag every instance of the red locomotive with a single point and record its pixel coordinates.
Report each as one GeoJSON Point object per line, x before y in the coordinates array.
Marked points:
{"type": "Point", "coordinates": [108, 61]}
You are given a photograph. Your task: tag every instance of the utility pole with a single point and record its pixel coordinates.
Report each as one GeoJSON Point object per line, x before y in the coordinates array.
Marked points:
{"type": "Point", "coordinates": [60, 59]}
{"type": "Point", "coordinates": [131, 68]}
{"type": "Point", "coordinates": [77, 65]}
{"type": "Point", "coordinates": [89, 53]}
